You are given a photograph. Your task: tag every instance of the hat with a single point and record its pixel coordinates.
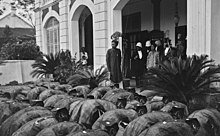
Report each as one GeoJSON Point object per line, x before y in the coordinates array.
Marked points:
{"type": "Point", "coordinates": [147, 44]}
{"type": "Point", "coordinates": [139, 45]}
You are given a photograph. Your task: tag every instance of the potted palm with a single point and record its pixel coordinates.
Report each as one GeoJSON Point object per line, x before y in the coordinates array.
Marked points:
{"type": "Point", "coordinates": [45, 65]}
{"type": "Point", "coordinates": [87, 76]}
{"type": "Point", "coordinates": [181, 79]}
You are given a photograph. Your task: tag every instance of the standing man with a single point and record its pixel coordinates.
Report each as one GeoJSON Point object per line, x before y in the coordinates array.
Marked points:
{"type": "Point", "coordinates": [113, 60]}
{"type": "Point", "coordinates": [139, 63]}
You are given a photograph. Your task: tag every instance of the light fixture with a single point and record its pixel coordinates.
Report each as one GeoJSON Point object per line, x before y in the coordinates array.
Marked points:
{"type": "Point", "coordinates": [176, 18]}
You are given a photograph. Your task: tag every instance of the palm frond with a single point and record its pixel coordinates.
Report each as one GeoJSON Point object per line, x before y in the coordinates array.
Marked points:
{"type": "Point", "coordinates": [45, 64]}
{"type": "Point", "coordinates": [88, 74]}
{"type": "Point", "coordinates": [182, 78]}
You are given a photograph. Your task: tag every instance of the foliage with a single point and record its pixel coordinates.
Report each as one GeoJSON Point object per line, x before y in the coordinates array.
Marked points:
{"type": "Point", "coordinates": [7, 36]}
{"type": "Point", "coordinates": [45, 65]}
{"type": "Point", "coordinates": [27, 9]}
{"type": "Point", "coordinates": [7, 32]}
{"type": "Point", "coordinates": [67, 67]}
{"type": "Point", "coordinates": [181, 79]}
{"type": "Point", "coordinates": [86, 75]}
{"type": "Point", "coordinates": [61, 65]}
{"type": "Point", "coordinates": [27, 50]}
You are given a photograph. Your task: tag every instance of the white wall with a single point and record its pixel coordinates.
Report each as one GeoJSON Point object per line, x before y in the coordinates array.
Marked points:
{"type": "Point", "coordinates": [166, 14]}
{"type": "Point", "coordinates": [18, 70]}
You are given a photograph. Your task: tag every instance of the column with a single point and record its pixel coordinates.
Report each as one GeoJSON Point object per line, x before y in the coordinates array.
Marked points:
{"type": "Point", "coordinates": [156, 14]}
{"type": "Point", "coordinates": [198, 27]}
{"type": "Point", "coordinates": [64, 41]}
{"type": "Point", "coordinates": [38, 24]}
{"type": "Point", "coordinates": [215, 31]}
{"type": "Point", "coordinates": [100, 32]}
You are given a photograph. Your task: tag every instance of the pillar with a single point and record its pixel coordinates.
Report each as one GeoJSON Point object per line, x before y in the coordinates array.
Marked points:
{"type": "Point", "coordinates": [198, 27]}
{"type": "Point", "coordinates": [215, 31]}
{"type": "Point", "coordinates": [100, 32]}
{"type": "Point", "coordinates": [38, 24]}
{"type": "Point", "coordinates": [63, 5]}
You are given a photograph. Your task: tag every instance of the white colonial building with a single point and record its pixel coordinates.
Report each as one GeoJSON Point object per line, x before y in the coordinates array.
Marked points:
{"type": "Point", "coordinates": [72, 24]}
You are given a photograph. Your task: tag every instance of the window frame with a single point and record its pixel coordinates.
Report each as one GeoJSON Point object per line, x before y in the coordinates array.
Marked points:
{"type": "Point", "coordinates": [52, 36]}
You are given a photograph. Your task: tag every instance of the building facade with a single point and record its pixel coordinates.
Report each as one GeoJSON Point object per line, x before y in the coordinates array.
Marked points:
{"type": "Point", "coordinates": [73, 24]}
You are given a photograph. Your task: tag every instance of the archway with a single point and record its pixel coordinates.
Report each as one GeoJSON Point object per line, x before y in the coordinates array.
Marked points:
{"type": "Point", "coordinates": [86, 33]}
{"type": "Point", "coordinates": [81, 32]}
{"type": "Point", "coordinates": [49, 15]}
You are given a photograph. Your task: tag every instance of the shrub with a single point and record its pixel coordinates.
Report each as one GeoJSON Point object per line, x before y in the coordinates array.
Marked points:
{"type": "Point", "coordinates": [27, 50]}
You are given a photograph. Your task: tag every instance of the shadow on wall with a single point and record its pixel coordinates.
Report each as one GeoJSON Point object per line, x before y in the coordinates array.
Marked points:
{"type": "Point", "coordinates": [16, 70]}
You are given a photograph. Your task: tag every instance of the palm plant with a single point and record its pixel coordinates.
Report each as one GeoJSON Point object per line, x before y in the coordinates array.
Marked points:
{"type": "Point", "coordinates": [181, 79]}
{"type": "Point", "coordinates": [45, 65]}
{"type": "Point", "coordinates": [87, 76]}
{"type": "Point", "coordinates": [68, 66]}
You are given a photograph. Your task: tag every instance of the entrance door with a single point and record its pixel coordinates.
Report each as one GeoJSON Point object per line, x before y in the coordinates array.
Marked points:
{"type": "Point", "coordinates": [180, 30]}
{"type": "Point", "coordinates": [89, 38]}
{"type": "Point", "coordinates": [132, 39]}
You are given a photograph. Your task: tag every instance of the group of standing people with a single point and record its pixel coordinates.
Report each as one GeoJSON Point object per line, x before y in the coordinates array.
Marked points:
{"type": "Point", "coordinates": [149, 56]}
{"type": "Point", "coordinates": [144, 57]}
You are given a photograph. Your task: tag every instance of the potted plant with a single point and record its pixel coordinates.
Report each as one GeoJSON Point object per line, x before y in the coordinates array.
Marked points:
{"type": "Point", "coordinates": [45, 65]}
{"type": "Point", "coordinates": [87, 76]}
{"type": "Point", "coordinates": [183, 79]}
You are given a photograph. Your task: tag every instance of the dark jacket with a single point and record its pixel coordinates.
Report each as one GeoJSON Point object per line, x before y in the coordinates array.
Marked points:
{"type": "Point", "coordinates": [113, 60]}
{"type": "Point", "coordinates": [139, 64]}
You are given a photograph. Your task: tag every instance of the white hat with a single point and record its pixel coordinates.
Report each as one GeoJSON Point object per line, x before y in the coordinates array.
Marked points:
{"type": "Point", "coordinates": [147, 44]}
{"type": "Point", "coordinates": [139, 44]}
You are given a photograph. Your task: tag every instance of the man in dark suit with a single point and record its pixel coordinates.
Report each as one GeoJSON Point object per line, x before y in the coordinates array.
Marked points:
{"type": "Point", "coordinates": [139, 63]}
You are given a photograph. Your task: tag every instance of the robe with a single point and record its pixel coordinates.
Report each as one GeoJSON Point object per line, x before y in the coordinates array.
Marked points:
{"type": "Point", "coordinates": [113, 60]}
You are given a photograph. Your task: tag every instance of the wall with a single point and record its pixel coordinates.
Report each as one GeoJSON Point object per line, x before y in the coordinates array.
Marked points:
{"type": "Point", "coordinates": [166, 14]}
{"type": "Point", "coordinates": [146, 8]}
{"type": "Point", "coordinates": [18, 70]}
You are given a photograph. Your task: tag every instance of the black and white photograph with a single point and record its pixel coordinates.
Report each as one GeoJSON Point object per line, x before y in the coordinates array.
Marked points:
{"type": "Point", "coordinates": [109, 67]}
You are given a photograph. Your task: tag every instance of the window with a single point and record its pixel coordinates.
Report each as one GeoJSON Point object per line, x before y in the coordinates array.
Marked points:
{"type": "Point", "coordinates": [52, 36]}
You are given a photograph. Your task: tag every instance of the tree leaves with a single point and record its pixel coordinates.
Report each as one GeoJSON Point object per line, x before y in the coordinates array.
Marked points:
{"type": "Point", "coordinates": [27, 50]}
